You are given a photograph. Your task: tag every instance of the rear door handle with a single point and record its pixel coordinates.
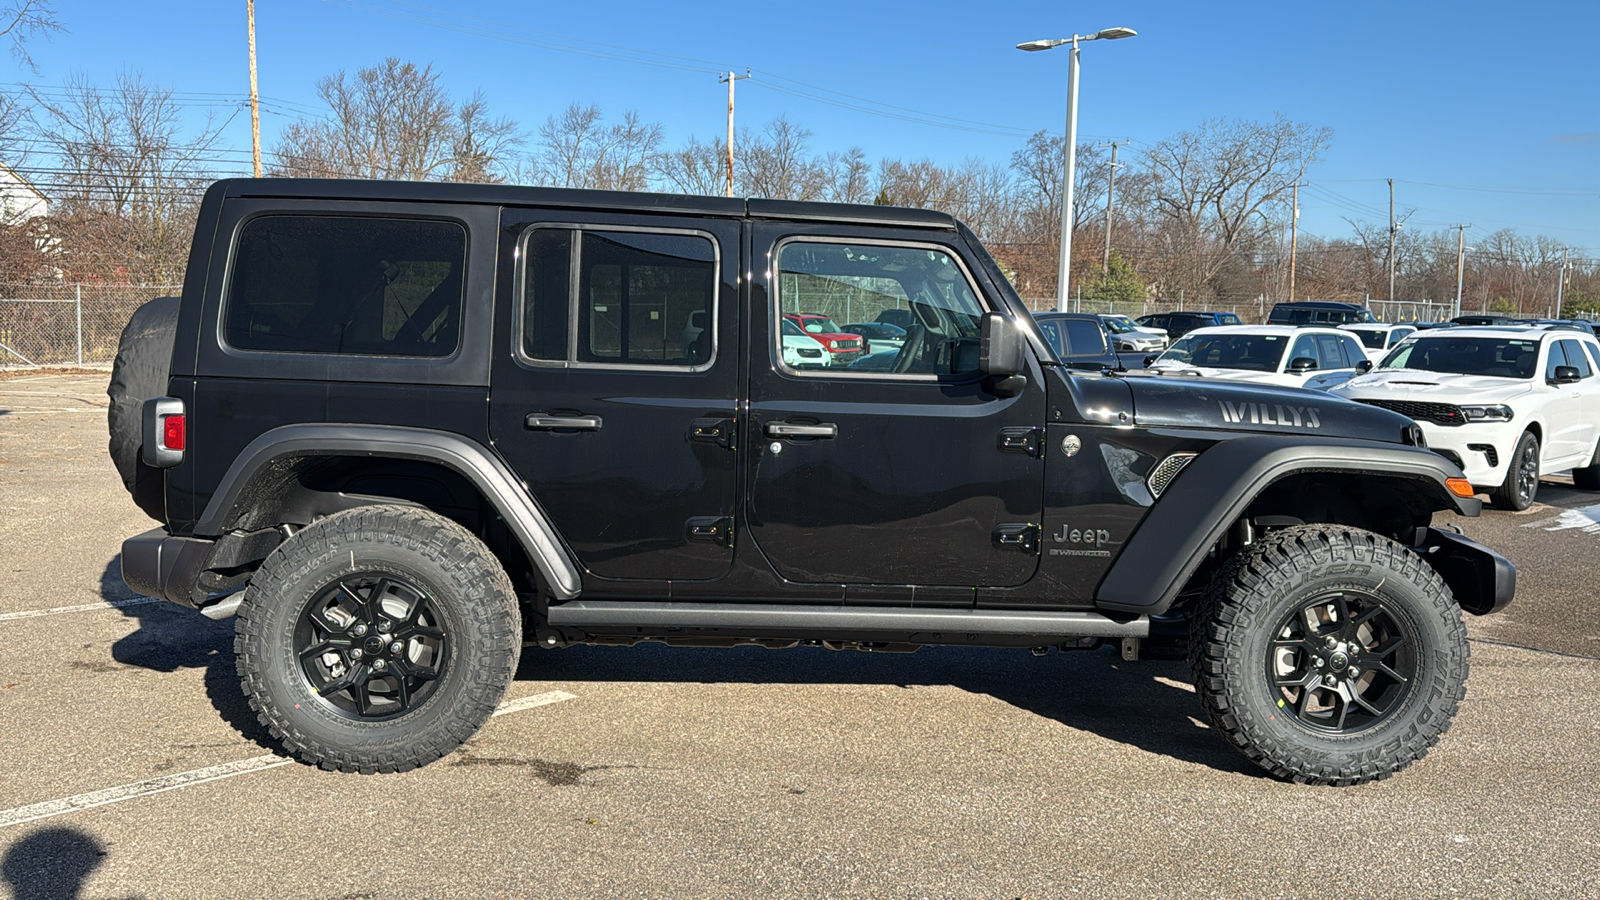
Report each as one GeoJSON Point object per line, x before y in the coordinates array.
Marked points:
{"type": "Point", "coordinates": [544, 422]}
{"type": "Point", "coordinates": [789, 429]}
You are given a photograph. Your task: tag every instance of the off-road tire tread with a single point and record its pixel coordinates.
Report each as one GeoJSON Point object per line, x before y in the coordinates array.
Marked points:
{"type": "Point", "coordinates": [1234, 605]}
{"type": "Point", "coordinates": [475, 573]}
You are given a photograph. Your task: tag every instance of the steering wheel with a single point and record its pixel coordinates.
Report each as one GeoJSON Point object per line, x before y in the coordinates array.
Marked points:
{"type": "Point", "coordinates": [911, 350]}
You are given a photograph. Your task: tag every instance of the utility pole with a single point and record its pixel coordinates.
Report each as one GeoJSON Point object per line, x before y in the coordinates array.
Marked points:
{"type": "Point", "coordinates": [730, 78]}
{"type": "Point", "coordinates": [1392, 229]}
{"type": "Point", "coordinates": [1294, 238]}
{"type": "Point", "coordinates": [1561, 282]}
{"type": "Point", "coordinates": [1111, 191]}
{"type": "Point", "coordinates": [255, 99]}
{"type": "Point", "coordinates": [1461, 261]}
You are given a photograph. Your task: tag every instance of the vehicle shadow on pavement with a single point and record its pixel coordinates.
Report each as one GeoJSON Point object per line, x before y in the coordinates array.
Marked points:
{"type": "Point", "coordinates": [52, 864]}
{"type": "Point", "coordinates": [172, 638]}
{"type": "Point", "coordinates": [1145, 704]}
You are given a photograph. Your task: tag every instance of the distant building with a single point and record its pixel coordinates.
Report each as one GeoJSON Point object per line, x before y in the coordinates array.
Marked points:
{"type": "Point", "coordinates": [19, 199]}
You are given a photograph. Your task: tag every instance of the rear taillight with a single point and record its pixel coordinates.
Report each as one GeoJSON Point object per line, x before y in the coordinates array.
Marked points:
{"type": "Point", "coordinates": [172, 432]}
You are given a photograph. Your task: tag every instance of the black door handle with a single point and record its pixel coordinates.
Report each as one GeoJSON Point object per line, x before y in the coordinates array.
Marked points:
{"type": "Point", "coordinates": [790, 429]}
{"type": "Point", "coordinates": [545, 422]}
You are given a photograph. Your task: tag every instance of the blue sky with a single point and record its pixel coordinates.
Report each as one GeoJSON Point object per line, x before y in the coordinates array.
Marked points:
{"type": "Point", "coordinates": [1487, 113]}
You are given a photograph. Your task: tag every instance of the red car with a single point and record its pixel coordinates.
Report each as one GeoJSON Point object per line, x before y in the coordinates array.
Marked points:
{"type": "Point", "coordinates": [842, 346]}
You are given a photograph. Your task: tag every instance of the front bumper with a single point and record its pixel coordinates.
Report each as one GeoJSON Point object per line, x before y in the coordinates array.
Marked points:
{"type": "Point", "coordinates": [1482, 580]}
{"type": "Point", "coordinates": [1481, 449]}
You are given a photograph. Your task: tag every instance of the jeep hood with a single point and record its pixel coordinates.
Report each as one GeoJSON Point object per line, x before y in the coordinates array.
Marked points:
{"type": "Point", "coordinates": [1230, 405]}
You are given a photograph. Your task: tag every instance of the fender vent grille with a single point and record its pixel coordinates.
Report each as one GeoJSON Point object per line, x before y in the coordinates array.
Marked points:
{"type": "Point", "coordinates": [1165, 471]}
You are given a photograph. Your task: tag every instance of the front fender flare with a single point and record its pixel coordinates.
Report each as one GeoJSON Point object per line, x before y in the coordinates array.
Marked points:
{"type": "Point", "coordinates": [486, 471]}
{"type": "Point", "coordinates": [1219, 485]}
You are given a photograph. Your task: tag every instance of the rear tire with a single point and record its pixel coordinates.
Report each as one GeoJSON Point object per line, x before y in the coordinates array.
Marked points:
{"type": "Point", "coordinates": [1329, 655]}
{"type": "Point", "coordinates": [377, 639]}
{"type": "Point", "coordinates": [1521, 486]}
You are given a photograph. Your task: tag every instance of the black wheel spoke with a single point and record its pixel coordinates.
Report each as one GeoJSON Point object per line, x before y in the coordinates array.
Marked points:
{"type": "Point", "coordinates": [1325, 685]}
{"type": "Point", "coordinates": [376, 678]}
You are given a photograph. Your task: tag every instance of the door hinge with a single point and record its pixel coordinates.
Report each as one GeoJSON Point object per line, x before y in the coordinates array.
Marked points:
{"type": "Point", "coordinates": [713, 431]}
{"type": "Point", "coordinates": [1017, 536]}
{"type": "Point", "coordinates": [711, 529]}
{"type": "Point", "coordinates": [1022, 439]}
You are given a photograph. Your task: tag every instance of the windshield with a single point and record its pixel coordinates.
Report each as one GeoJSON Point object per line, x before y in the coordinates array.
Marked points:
{"type": "Point", "coordinates": [1373, 339]}
{"type": "Point", "coordinates": [1119, 324]}
{"type": "Point", "coordinates": [1228, 319]}
{"type": "Point", "coordinates": [790, 328]}
{"type": "Point", "coordinates": [1497, 357]}
{"type": "Point", "coordinates": [1255, 352]}
{"type": "Point", "coordinates": [1365, 316]}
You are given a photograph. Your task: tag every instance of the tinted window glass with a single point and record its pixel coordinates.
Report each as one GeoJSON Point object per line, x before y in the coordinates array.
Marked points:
{"type": "Point", "coordinates": [1305, 346]}
{"type": "Point", "coordinates": [547, 292]}
{"type": "Point", "coordinates": [1227, 319]}
{"type": "Point", "coordinates": [347, 284]}
{"type": "Point", "coordinates": [1083, 338]}
{"type": "Point", "coordinates": [1373, 339]}
{"type": "Point", "coordinates": [637, 295]}
{"type": "Point", "coordinates": [1557, 357]}
{"type": "Point", "coordinates": [1594, 352]}
{"type": "Point", "coordinates": [1353, 354]}
{"type": "Point", "coordinates": [851, 282]}
{"type": "Point", "coordinates": [643, 298]}
{"type": "Point", "coordinates": [1256, 352]}
{"type": "Point", "coordinates": [1400, 334]}
{"type": "Point", "coordinates": [1575, 358]}
{"type": "Point", "coordinates": [1329, 354]}
{"type": "Point", "coordinates": [1498, 357]}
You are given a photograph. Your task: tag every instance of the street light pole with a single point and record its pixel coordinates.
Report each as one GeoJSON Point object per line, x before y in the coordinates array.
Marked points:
{"type": "Point", "coordinates": [1070, 151]}
{"type": "Point", "coordinates": [1461, 262]}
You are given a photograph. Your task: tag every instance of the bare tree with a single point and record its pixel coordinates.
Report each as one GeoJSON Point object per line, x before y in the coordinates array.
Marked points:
{"type": "Point", "coordinates": [396, 121]}
{"type": "Point", "coordinates": [578, 150]}
{"type": "Point", "coordinates": [777, 163]}
{"type": "Point", "coordinates": [128, 176]}
{"type": "Point", "coordinates": [695, 168]}
{"type": "Point", "coordinates": [21, 20]}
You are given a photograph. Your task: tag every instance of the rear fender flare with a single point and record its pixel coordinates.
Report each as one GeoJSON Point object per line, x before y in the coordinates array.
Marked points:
{"type": "Point", "coordinates": [1216, 488]}
{"type": "Point", "coordinates": [264, 459]}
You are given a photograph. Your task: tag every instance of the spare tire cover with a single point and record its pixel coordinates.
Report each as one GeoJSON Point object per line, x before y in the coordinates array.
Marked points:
{"type": "Point", "coordinates": [144, 357]}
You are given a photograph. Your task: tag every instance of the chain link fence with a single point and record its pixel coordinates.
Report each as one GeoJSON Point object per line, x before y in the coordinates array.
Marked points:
{"type": "Point", "coordinates": [68, 324]}
{"type": "Point", "coordinates": [1249, 313]}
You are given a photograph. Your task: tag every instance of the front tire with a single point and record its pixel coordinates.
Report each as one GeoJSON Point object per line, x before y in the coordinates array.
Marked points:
{"type": "Point", "coordinates": [1522, 476]}
{"type": "Point", "coordinates": [377, 639]}
{"type": "Point", "coordinates": [1329, 655]}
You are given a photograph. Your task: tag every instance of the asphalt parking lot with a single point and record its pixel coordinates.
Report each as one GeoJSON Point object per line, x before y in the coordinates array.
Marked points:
{"type": "Point", "coordinates": [133, 768]}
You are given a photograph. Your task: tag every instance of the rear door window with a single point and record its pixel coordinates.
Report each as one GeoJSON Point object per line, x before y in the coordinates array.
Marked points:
{"type": "Point", "coordinates": [1575, 358]}
{"type": "Point", "coordinates": [1083, 338]}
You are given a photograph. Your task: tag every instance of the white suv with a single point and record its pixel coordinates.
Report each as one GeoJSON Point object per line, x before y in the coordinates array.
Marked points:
{"type": "Point", "coordinates": [1505, 404]}
{"type": "Point", "coordinates": [1379, 338]}
{"type": "Point", "coordinates": [1284, 355]}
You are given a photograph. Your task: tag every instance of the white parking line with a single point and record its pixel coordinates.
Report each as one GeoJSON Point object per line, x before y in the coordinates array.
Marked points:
{"type": "Point", "coordinates": [36, 811]}
{"type": "Point", "coordinates": [84, 607]}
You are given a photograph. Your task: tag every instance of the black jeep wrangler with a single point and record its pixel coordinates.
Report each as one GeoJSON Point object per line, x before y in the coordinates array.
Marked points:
{"type": "Point", "coordinates": [405, 430]}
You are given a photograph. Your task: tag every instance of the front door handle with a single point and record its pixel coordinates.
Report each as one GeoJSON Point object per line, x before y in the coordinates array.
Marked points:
{"type": "Point", "coordinates": [792, 430]}
{"type": "Point", "coordinates": [544, 422]}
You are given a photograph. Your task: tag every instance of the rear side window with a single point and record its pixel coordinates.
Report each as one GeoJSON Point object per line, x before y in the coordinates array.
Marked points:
{"type": "Point", "coordinates": [1594, 351]}
{"type": "Point", "coordinates": [1353, 354]}
{"type": "Point", "coordinates": [1329, 354]}
{"type": "Point", "coordinates": [346, 285]}
{"type": "Point", "coordinates": [618, 297]}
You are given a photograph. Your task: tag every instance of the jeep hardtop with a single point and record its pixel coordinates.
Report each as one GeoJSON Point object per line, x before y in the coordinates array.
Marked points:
{"type": "Point", "coordinates": [403, 431]}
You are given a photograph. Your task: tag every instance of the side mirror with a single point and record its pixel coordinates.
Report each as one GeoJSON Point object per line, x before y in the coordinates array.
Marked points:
{"type": "Point", "coordinates": [1301, 365]}
{"type": "Point", "coordinates": [1565, 375]}
{"type": "Point", "coordinates": [1364, 366]}
{"type": "Point", "coordinates": [1150, 360]}
{"type": "Point", "coordinates": [999, 346]}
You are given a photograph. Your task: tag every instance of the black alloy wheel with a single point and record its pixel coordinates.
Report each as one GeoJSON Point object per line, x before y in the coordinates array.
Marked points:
{"type": "Point", "coordinates": [1521, 484]}
{"type": "Point", "coordinates": [1342, 662]}
{"type": "Point", "coordinates": [372, 646]}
